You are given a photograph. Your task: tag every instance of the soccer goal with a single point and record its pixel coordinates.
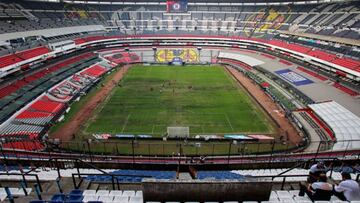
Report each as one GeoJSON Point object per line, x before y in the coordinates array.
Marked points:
{"type": "Point", "coordinates": [178, 132]}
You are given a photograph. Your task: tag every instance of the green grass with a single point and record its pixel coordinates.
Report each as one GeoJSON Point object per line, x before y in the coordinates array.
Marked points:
{"type": "Point", "coordinates": [205, 98]}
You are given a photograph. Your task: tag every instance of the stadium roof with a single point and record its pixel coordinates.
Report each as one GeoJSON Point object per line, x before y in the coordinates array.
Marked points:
{"type": "Point", "coordinates": [200, 2]}
{"type": "Point", "coordinates": [343, 122]}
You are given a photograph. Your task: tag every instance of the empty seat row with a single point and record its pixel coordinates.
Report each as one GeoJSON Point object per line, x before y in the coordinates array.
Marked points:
{"type": "Point", "coordinates": [95, 71]}
{"type": "Point", "coordinates": [47, 106]}
{"type": "Point", "coordinates": [134, 176]}
{"type": "Point", "coordinates": [7, 90]}
{"type": "Point", "coordinates": [105, 196]}
{"type": "Point", "coordinates": [218, 175]}
{"type": "Point", "coordinates": [21, 56]}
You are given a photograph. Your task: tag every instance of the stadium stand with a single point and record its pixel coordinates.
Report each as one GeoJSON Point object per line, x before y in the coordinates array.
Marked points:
{"type": "Point", "coordinates": [218, 175]}
{"type": "Point", "coordinates": [282, 191]}
{"type": "Point", "coordinates": [37, 88]}
{"type": "Point", "coordinates": [9, 60]}
{"type": "Point", "coordinates": [22, 56]}
{"type": "Point", "coordinates": [133, 176]}
{"type": "Point", "coordinates": [33, 145]}
{"type": "Point", "coordinates": [8, 89]}
{"type": "Point", "coordinates": [345, 89]}
{"type": "Point", "coordinates": [44, 110]}
{"type": "Point", "coordinates": [318, 76]}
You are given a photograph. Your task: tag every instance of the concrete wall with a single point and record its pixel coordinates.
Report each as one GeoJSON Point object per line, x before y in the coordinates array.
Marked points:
{"type": "Point", "coordinates": [198, 190]}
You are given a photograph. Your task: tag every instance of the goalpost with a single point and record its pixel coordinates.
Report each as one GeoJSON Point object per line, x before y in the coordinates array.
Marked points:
{"type": "Point", "coordinates": [178, 132]}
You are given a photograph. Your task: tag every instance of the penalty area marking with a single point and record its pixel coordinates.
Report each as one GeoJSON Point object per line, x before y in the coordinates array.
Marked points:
{"type": "Point", "coordinates": [228, 120]}
{"type": "Point", "coordinates": [125, 123]}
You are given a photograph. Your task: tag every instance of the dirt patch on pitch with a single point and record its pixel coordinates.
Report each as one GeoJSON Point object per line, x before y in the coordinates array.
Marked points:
{"type": "Point", "coordinates": [286, 130]}
{"type": "Point", "coordinates": [67, 132]}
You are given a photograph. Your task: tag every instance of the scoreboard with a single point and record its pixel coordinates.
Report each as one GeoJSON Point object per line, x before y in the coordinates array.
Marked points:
{"type": "Point", "coordinates": [176, 6]}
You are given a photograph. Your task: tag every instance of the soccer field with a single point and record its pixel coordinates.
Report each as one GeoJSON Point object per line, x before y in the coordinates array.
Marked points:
{"type": "Point", "coordinates": [205, 98]}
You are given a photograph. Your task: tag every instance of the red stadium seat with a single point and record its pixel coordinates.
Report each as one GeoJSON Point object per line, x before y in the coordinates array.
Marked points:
{"type": "Point", "coordinates": [33, 114]}
{"type": "Point", "coordinates": [345, 89]}
{"type": "Point", "coordinates": [9, 60]}
{"type": "Point", "coordinates": [348, 63]}
{"type": "Point", "coordinates": [47, 106]}
{"type": "Point", "coordinates": [31, 53]}
{"type": "Point", "coordinates": [7, 90]}
{"type": "Point", "coordinates": [322, 55]}
{"type": "Point", "coordinates": [95, 71]}
{"type": "Point", "coordinates": [23, 55]}
{"type": "Point", "coordinates": [24, 145]}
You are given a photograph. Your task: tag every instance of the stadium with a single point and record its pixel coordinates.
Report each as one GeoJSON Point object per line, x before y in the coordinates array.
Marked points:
{"type": "Point", "coordinates": [179, 101]}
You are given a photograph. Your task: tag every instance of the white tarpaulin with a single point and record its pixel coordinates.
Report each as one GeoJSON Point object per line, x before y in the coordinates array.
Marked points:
{"type": "Point", "coordinates": [239, 57]}
{"type": "Point", "coordinates": [343, 122]}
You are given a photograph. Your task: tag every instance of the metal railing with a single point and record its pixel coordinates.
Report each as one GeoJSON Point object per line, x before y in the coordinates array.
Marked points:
{"type": "Point", "coordinates": [173, 152]}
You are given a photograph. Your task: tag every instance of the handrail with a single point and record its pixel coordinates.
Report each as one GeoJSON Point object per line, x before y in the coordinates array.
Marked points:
{"type": "Point", "coordinates": [77, 159]}
{"type": "Point", "coordinates": [76, 186]}
{"type": "Point", "coordinates": [167, 159]}
{"type": "Point", "coordinates": [86, 163]}
{"type": "Point", "coordinates": [24, 178]}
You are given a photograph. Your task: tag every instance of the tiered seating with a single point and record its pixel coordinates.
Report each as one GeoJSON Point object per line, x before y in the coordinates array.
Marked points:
{"type": "Point", "coordinates": [345, 89]}
{"type": "Point", "coordinates": [24, 145]}
{"type": "Point", "coordinates": [288, 196]}
{"type": "Point", "coordinates": [322, 55]}
{"type": "Point", "coordinates": [218, 175]}
{"type": "Point", "coordinates": [294, 47]}
{"type": "Point", "coordinates": [95, 71]}
{"type": "Point", "coordinates": [9, 60]}
{"type": "Point", "coordinates": [20, 83]}
{"type": "Point", "coordinates": [47, 106]}
{"type": "Point", "coordinates": [278, 43]}
{"type": "Point", "coordinates": [33, 114]}
{"type": "Point", "coordinates": [32, 122]}
{"type": "Point", "coordinates": [298, 48]}
{"type": "Point", "coordinates": [22, 130]}
{"type": "Point", "coordinates": [89, 39]}
{"type": "Point", "coordinates": [79, 41]}
{"type": "Point", "coordinates": [116, 196]}
{"type": "Point", "coordinates": [7, 90]}
{"type": "Point", "coordinates": [320, 77]}
{"type": "Point", "coordinates": [345, 62]}
{"type": "Point", "coordinates": [123, 57]}
{"type": "Point", "coordinates": [23, 55]}
{"type": "Point", "coordinates": [40, 113]}
{"type": "Point", "coordinates": [348, 63]}
{"type": "Point", "coordinates": [134, 176]}
{"type": "Point", "coordinates": [31, 53]}
{"type": "Point", "coordinates": [285, 62]}
{"type": "Point", "coordinates": [66, 90]}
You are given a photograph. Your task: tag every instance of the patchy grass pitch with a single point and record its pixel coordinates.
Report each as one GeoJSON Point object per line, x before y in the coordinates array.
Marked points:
{"type": "Point", "coordinates": [205, 98]}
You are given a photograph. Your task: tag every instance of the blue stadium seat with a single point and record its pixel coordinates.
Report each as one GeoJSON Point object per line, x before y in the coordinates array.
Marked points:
{"type": "Point", "coordinates": [73, 197]}
{"type": "Point", "coordinates": [58, 198]}
{"type": "Point", "coordinates": [219, 175]}
{"type": "Point", "coordinates": [134, 176]}
{"type": "Point", "coordinates": [76, 192]}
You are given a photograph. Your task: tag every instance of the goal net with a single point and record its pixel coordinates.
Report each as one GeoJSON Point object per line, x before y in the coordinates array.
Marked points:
{"type": "Point", "coordinates": [179, 132]}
